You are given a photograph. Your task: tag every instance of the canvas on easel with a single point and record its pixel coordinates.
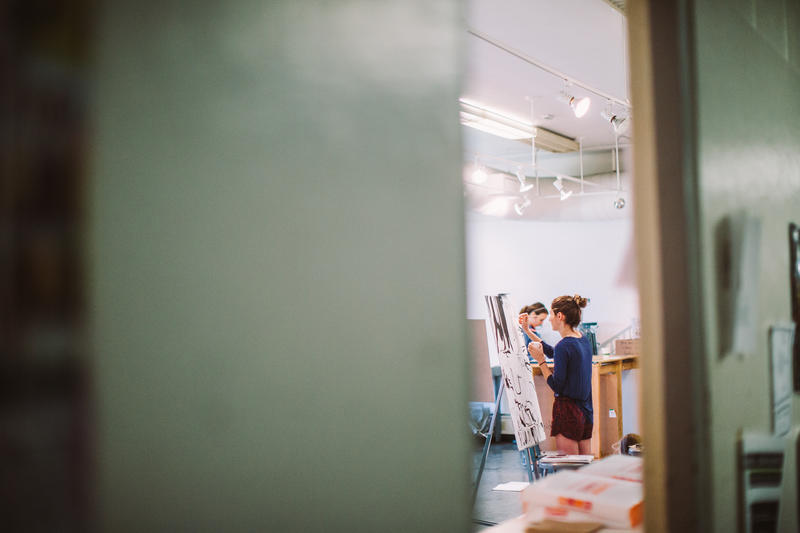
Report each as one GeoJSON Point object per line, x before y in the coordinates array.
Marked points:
{"type": "Point", "coordinates": [523, 403]}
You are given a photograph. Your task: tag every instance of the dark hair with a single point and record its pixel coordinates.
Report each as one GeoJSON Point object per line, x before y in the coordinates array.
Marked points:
{"type": "Point", "coordinates": [535, 308]}
{"type": "Point", "coordinates": [627, 441]}
{"type": "Point", "coordinates": [571, 307]}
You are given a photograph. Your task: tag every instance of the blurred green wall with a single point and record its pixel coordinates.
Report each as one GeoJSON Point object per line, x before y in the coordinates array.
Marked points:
{"type": "Point", "coordinates": [748, 125]}
{"type": "Point", "coordinates": [276, 267]}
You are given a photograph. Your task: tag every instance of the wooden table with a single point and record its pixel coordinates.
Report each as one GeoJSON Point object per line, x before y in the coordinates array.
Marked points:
{"type": "Point", "coordinates": [602, 365]}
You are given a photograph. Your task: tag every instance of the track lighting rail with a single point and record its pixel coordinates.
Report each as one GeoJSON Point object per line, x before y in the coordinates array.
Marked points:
{"type": "Point", "coordinates": [536, 63]}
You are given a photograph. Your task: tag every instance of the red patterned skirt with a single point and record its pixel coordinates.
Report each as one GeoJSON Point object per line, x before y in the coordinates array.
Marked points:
{"type": "Point", "coordinates": [569, 420]}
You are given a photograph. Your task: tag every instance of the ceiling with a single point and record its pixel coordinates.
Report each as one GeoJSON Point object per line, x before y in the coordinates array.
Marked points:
{"type": "Point", "coordinates": [584, 40]}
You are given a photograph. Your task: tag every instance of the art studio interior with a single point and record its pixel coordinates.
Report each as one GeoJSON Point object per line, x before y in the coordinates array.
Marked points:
{"type": "Point", "coordinates": [551, 175]}
{"type": "Point", "coordinates": [407, 265]}
{"type": "Point", "coordinates": [546, 128]}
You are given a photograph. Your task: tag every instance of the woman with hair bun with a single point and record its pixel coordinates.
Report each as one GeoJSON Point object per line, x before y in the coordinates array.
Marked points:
{"type": "Point", "coordinates": [571, 377]}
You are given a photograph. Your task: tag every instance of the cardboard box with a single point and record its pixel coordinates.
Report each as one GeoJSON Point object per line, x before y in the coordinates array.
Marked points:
{"type": "Point", "coordinates": [628, 346]}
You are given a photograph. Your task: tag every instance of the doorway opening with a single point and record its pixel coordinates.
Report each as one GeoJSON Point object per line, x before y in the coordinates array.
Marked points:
{"type": "Point", "coordinates": [546, 121]}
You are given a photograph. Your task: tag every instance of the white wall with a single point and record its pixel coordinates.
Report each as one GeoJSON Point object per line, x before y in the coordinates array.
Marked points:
{"type": "Point", "coordinates": [538, 261]}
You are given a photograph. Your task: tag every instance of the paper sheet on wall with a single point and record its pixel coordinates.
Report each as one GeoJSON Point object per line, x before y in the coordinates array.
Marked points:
{"type": "Point", "coordinates": [781, 343]}
{"type": "Point", "coordinates": [745, 250]}
{"type": "Point", "coordinates": [520, 390]}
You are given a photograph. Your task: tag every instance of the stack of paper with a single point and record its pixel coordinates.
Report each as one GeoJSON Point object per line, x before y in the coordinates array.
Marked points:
{"type": "Point", "coordinates": [625, 467]}
{"type": "Point", "coordinates": [575, 496]}
{"type": "Point", "coordinates": [556, 458]}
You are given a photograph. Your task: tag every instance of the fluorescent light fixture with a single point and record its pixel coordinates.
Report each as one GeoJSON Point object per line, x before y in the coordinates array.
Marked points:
{"type": "Point", "coordinates": [559, 185]}
{"type": "Point", "coordinates": [523, 187]}
{"type": "Point", "coordinates": [493, 128]}
{"type": "Point", "coordinates": [519, 207]}
{"type": "Point", "coordinates": [490, 121]}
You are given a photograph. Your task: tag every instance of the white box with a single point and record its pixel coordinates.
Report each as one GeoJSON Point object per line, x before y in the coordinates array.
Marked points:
{"type": "Point", "coordinates": [614, 502]}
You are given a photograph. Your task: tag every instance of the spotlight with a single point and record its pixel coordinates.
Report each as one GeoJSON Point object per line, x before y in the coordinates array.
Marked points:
{"type": "Point", "coordinates": [523, 187]}
{"type": "Point", "coordinates": [620, 124]}
{"type": "Point", "coordinates": [579, 105]}
{"type": "Point", "coordinates": [559, 185]}
{"type": "Point", "coordinates": [479, 174]}
{"type": "Point", "coordinates": [619, 203]}
{"type": "Point", "coordinates": [519, 207]}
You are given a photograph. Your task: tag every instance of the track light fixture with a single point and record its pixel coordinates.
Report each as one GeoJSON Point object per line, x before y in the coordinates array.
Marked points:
{"type": "Point", "coordinates": [619, 123]}
{"type": "Point", "coordinates": [579, 106]}
{"type": "Point", "coordinates": [519, 207]}
{"type": "Point", "coordinates": [559, 185]}
{"type": "Point", "coordinates": [523, 187]}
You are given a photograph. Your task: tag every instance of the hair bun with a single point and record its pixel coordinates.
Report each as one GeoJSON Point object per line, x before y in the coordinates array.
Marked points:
{"type": "Point", "coordinates": [580, 301]}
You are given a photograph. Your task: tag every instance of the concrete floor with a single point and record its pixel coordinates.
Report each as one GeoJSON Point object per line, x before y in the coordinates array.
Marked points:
{"type": "Point", "coordinates": [504, 464]}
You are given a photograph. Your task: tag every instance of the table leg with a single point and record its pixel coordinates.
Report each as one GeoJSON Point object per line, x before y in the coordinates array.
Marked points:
{"type": "Point", "coordinates": [596, 409]}
{"type": "Point", "coordinates": [619, 400]}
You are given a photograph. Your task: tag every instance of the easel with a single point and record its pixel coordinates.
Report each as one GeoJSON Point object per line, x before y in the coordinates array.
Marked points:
{"type": "Point", "coordinates": [532, 458]}
{"type": "Point", "coordinates": [517, 384]}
